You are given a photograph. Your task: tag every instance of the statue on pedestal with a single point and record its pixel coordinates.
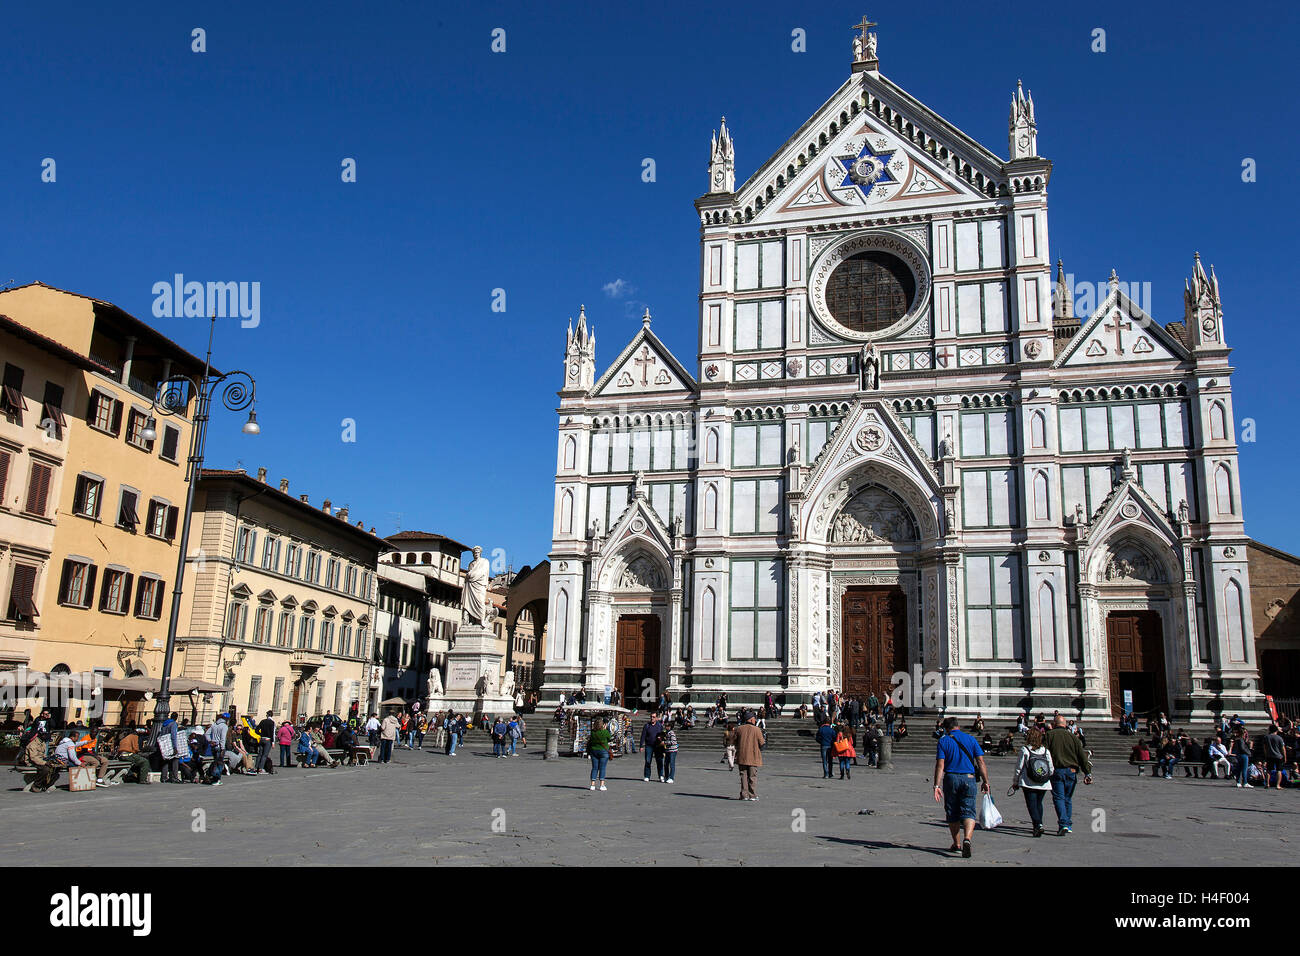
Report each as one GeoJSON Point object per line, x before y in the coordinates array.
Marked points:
{"type": "Point", "coordinates": [508, 685]}
{"type": "Point", "coordinates": [434, 688]}
{"type": "Point", "coordinates": [473, 594]}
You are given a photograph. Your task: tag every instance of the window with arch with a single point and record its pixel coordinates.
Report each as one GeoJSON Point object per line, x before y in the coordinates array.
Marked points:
{"type": "Point", "coordinates": [566, 512]}
{"type": "Point", "coordinates": [1218, 422]}
{"type": "Point", "coordinates": [570, 452]}
{"type": "Point", "coordinates": [711, 507]}
{"type": "Point", "coordinates": [708, 624]}
{"type": "Point", "coordinates": [561, 624]}
{"type": "Point", "coordinates": [1234, 621]}
{"type": "Point", "coordinates": [1038, 430]}
{"type": "Point", "coordinates": [711, 446]}
{"type": "Point", "coordinates": [1223, 490]}
{"type": "Point", "coordinates": [1046, 623]}
{"type": "Point", "coordinates": [1042, 503]}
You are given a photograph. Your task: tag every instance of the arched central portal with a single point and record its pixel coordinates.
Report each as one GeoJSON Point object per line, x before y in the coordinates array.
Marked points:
{"type": "Point", "coordinates": [873, 543]}
{"type": "Point", "coordinates": [636, 661]}
{"type": "Point", "coordinates": [875, 640]}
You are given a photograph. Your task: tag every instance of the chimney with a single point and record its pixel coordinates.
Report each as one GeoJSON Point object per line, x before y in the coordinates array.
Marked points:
{"type": "Point", "coordinates": [326, 507]}
{"type": "Point", "coordinates": [261, 475]}
{"type": "Point", "coordinates": [284, 485]}
{"type": "Point", "coordinates": [305, 499]}
{"type": "Point", "coordinates": [343, 513]}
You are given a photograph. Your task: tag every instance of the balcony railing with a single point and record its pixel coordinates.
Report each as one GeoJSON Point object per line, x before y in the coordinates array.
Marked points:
{"type": "Point", "coordinates": [304, 657]}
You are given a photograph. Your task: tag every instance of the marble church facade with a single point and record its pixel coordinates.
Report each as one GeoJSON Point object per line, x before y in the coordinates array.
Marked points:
{"type": "Point", "coordinates": [898, 452]}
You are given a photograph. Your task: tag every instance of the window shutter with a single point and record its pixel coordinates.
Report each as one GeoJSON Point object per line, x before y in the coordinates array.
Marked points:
{"type": "Point", "coordinates": [63, 581]}
{"type": "Point", "coordinates": [158, 595]}
{"type": "Point", "coordinates": [89, 594]}
{"type": "Point", "coordinates": [171, 438]}
{"type": "Point", "coordinates": [79, 495]}
{"type": "Point", "coordinates": [20, 594]}
{"type": "Point", "coordinates": [172, 514]}
{"type": "Point", "coordinates": [103, 591]}
{"type": "Point", "coordinates": [117, 417]}
{"type": "Point", "coordinates": [4, 474]}
{"type": "Point", "coordinates": [149, 516]}
{"type": "Point", "coordinates": [126, 593]}
{"type": "Point", "coordinates": [38, 490]}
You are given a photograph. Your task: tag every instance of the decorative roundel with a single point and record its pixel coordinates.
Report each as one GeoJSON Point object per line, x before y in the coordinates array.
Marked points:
{"type": "Point", "coordinates": [871, 438]}
{"type": "Point", "coordinates": [866, 170]}
{"type": "Point", "coordinates": [638, 525]}
{"type": "Point", "coordinates": [870, 285]}
{"type": "Point", "coordinates": [1130, 510]}
{"type": "Point", "coordinates": [1229, 552]}
{"type": "Point", "coordinates": [1208, 325]}
{"type": "Point", "coordinates": [1044, 556]}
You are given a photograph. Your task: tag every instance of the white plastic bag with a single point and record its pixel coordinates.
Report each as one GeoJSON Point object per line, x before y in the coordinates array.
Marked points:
{"type": "Point", "coordinates": [990, 818]}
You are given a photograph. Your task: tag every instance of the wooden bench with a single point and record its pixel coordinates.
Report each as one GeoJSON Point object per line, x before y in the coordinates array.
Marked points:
{"type": "Point", "coordinates": [335, 754]}
{"type": "Point", "coordinates": [116, 770]}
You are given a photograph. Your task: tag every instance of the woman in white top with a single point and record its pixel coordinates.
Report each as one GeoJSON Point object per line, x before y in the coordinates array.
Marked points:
{"type": "Point", "coordinates": [1034, 776]}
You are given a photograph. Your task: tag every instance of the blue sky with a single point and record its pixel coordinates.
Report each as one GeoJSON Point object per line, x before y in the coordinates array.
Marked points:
{"type": "Point", "coordinates": [522, 171]}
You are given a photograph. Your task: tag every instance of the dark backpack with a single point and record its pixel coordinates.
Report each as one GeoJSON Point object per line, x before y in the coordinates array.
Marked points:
{"type": "Point", "coordinates": [1038, 768]}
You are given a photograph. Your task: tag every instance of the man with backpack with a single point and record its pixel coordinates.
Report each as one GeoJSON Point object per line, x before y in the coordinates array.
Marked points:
{"type": "Point", "coordinates": [216, 737]}
{"type": "Point", "coordinates": [35, 742]}
{"type": "Point", "coordinates": [958, 769]}
{"type": "Point", "coordinates": [513, 733]}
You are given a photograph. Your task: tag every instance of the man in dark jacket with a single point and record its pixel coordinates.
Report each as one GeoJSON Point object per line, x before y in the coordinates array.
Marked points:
{"type": "Point", "coordinates": [266, 731]}
{"type": "Point", "coordinates": [825, 738]}
{"type": "Point", "coordinates": [649, 736]}
{"type": "Point", "coordinates": [1068, 757]}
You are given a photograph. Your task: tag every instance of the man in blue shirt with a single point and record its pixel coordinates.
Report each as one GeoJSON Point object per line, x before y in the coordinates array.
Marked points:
{"type": "Point", "coordinates": [958, 767]}
{"type": "Point", "coordinates": [826, 737]}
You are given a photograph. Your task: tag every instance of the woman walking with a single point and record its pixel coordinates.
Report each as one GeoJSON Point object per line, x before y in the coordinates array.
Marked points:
{"type": "Point", "coordinates": [843, 747]}
{"type": "Point", "coordinates": [598, 751]}
{"type": "Point", "coordinates": [1034, 776]}
{"type": "Point", "coordinates": [669, 740]}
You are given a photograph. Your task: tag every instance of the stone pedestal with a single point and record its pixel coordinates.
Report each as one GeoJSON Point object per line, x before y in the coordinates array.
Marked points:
{"type": "Point", "coordinates": [886, 758]}
{"type": "Point", "coordinates": [473, 669]}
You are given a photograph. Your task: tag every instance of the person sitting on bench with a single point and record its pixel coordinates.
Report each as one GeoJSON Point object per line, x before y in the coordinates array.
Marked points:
{"type": "Point", "coordinates": [307, 749]}
{"type": "Point", "coordinates": [322, 751]}
{"type": "Point", "coordinates": [35, 741]}
{"type": "Point", "coordinates": [128, 749]}
{"type": "Point", "coordinates": [66, 753]}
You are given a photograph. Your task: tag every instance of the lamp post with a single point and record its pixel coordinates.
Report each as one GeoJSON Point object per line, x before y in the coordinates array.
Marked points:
{"type": "Point", "coordinates": [172, 398]}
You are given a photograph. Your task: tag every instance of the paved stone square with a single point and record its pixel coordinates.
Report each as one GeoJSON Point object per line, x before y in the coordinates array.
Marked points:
{"type": "Point", "coordinates": [426, 808]}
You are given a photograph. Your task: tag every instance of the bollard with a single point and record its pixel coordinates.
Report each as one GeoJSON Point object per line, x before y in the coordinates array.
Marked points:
{"type": "Point", "coordinates": [886, 761]}
{"type": "Point", "coordinates": [552, 744]}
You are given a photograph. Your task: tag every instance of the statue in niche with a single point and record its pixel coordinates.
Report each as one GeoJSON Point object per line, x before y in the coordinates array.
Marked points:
{"type": "Point", "coordinates": [869, 366]}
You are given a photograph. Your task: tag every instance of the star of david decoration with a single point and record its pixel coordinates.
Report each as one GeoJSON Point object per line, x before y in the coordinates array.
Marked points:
{"type": "Point", "coordinates": [867, 170]}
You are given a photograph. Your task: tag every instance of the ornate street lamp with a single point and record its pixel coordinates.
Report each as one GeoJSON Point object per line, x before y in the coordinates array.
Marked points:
{"type": "Point", "coordinates": [238, 391]}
